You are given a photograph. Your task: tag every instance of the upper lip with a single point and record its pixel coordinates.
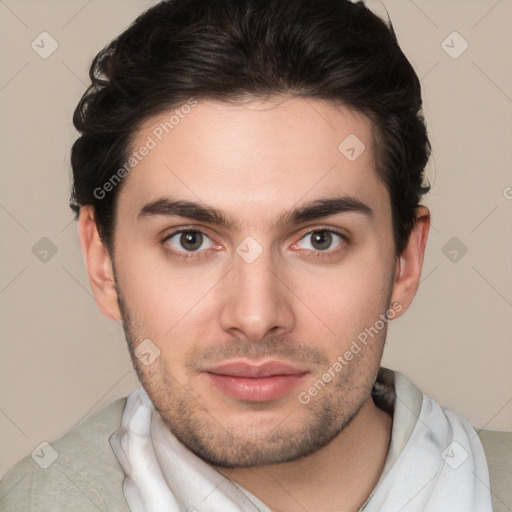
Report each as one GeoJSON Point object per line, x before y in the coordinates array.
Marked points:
{"type": "Point", "coordinates": [248, 370]}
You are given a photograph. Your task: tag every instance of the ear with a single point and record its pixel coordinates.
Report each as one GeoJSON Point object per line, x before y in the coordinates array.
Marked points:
{"type": "Point", "coordinates": [410, 262]}
{"type": "Point", "coordinates": [99, 265]}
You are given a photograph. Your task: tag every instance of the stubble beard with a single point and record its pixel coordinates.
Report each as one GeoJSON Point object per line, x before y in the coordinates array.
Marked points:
{"type": "Point", "coordinates": [307, 428]}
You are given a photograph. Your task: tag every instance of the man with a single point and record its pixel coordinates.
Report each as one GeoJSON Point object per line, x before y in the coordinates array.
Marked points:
{"type": "Point", "coordinates": [248, 179]}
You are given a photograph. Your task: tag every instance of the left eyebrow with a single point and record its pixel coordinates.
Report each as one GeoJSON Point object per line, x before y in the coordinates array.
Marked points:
{"type": "Point", "coordinates": [318, 209]}
{"type": "Point", "coordinates": [322, 208]}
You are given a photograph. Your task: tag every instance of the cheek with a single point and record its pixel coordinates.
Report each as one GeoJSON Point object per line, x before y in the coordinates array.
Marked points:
{"type": "Point", "coordinates": [166, 297]}
{"type": "Point", "coordinates": [350, 297]}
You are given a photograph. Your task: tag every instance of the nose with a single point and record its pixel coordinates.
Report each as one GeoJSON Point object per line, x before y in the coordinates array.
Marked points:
{"type": "Point", "coordinates": [256, 300]}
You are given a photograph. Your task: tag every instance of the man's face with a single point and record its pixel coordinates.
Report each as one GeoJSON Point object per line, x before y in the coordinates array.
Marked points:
{"type": "Point", "coordinates": [249, 315]}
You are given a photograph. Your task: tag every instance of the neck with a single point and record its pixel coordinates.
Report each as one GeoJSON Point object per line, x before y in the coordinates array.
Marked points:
{"type": "Point", "coordinates": [340, 476]}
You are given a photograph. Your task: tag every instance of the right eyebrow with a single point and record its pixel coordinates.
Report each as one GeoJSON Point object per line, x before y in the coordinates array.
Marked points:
{"type": "Point", "coordinates": [188, 209]}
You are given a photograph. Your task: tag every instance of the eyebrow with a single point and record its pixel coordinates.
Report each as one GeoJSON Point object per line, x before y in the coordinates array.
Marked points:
{"type": "Point", "coordinates": [318, 209]}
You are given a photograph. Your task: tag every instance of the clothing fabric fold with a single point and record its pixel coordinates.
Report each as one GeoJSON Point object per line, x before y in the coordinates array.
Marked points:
{"type": "Point", "coordinates": [441, 469]}
{"type": "Point", "coordinates": [161, 474]}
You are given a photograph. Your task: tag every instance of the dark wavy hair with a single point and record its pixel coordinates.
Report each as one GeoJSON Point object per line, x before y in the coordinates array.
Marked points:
{"type": "Point", "coordinates": [233, 50]}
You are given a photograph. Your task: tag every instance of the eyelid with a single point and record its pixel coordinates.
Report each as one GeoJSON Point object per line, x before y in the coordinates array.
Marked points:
{"type": "Point", "coordinates": [344, 237]}
{"type": "Point", "coordinates": [183, 255]}
{"type": "Point", "coordinates": [330, 229]}
{"type": "Point", "coordinates": [168, 233]}
{"type": "Point", "coordinates": [197, 254]}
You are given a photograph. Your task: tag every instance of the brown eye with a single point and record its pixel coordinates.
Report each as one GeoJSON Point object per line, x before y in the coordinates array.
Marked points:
{"type": "Point", "coordinates": [321, 240]}
{"type": "Point", "coordinates": [187, 241]}
{"type": "Point", "coordinates": [191, 241]}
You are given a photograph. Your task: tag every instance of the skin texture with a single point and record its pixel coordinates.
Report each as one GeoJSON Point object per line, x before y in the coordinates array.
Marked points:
{"type": "Point", "coordinates": [298, 302]}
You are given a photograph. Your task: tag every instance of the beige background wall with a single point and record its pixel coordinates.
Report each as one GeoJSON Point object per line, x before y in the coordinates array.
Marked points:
{"type": "Point", "coordinates": [61, 360]}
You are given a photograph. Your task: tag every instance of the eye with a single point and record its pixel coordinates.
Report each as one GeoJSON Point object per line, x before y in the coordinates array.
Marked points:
{"type": "Point", "coordinates": [188, 240]}
{"type": "Point", "coordinates": [323, 240]}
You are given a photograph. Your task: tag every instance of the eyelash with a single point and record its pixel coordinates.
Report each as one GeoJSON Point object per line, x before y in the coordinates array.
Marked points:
{"type": "Point", "coordinates": [201, 254]}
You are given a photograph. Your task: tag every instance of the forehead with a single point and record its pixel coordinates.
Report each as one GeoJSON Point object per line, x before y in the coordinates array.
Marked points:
{"type": "Point", "coordinates": [254, 158]}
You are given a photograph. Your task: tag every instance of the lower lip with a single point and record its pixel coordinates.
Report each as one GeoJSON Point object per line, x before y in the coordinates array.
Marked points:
{"type": "Point", "coordinates": [262, 389]}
